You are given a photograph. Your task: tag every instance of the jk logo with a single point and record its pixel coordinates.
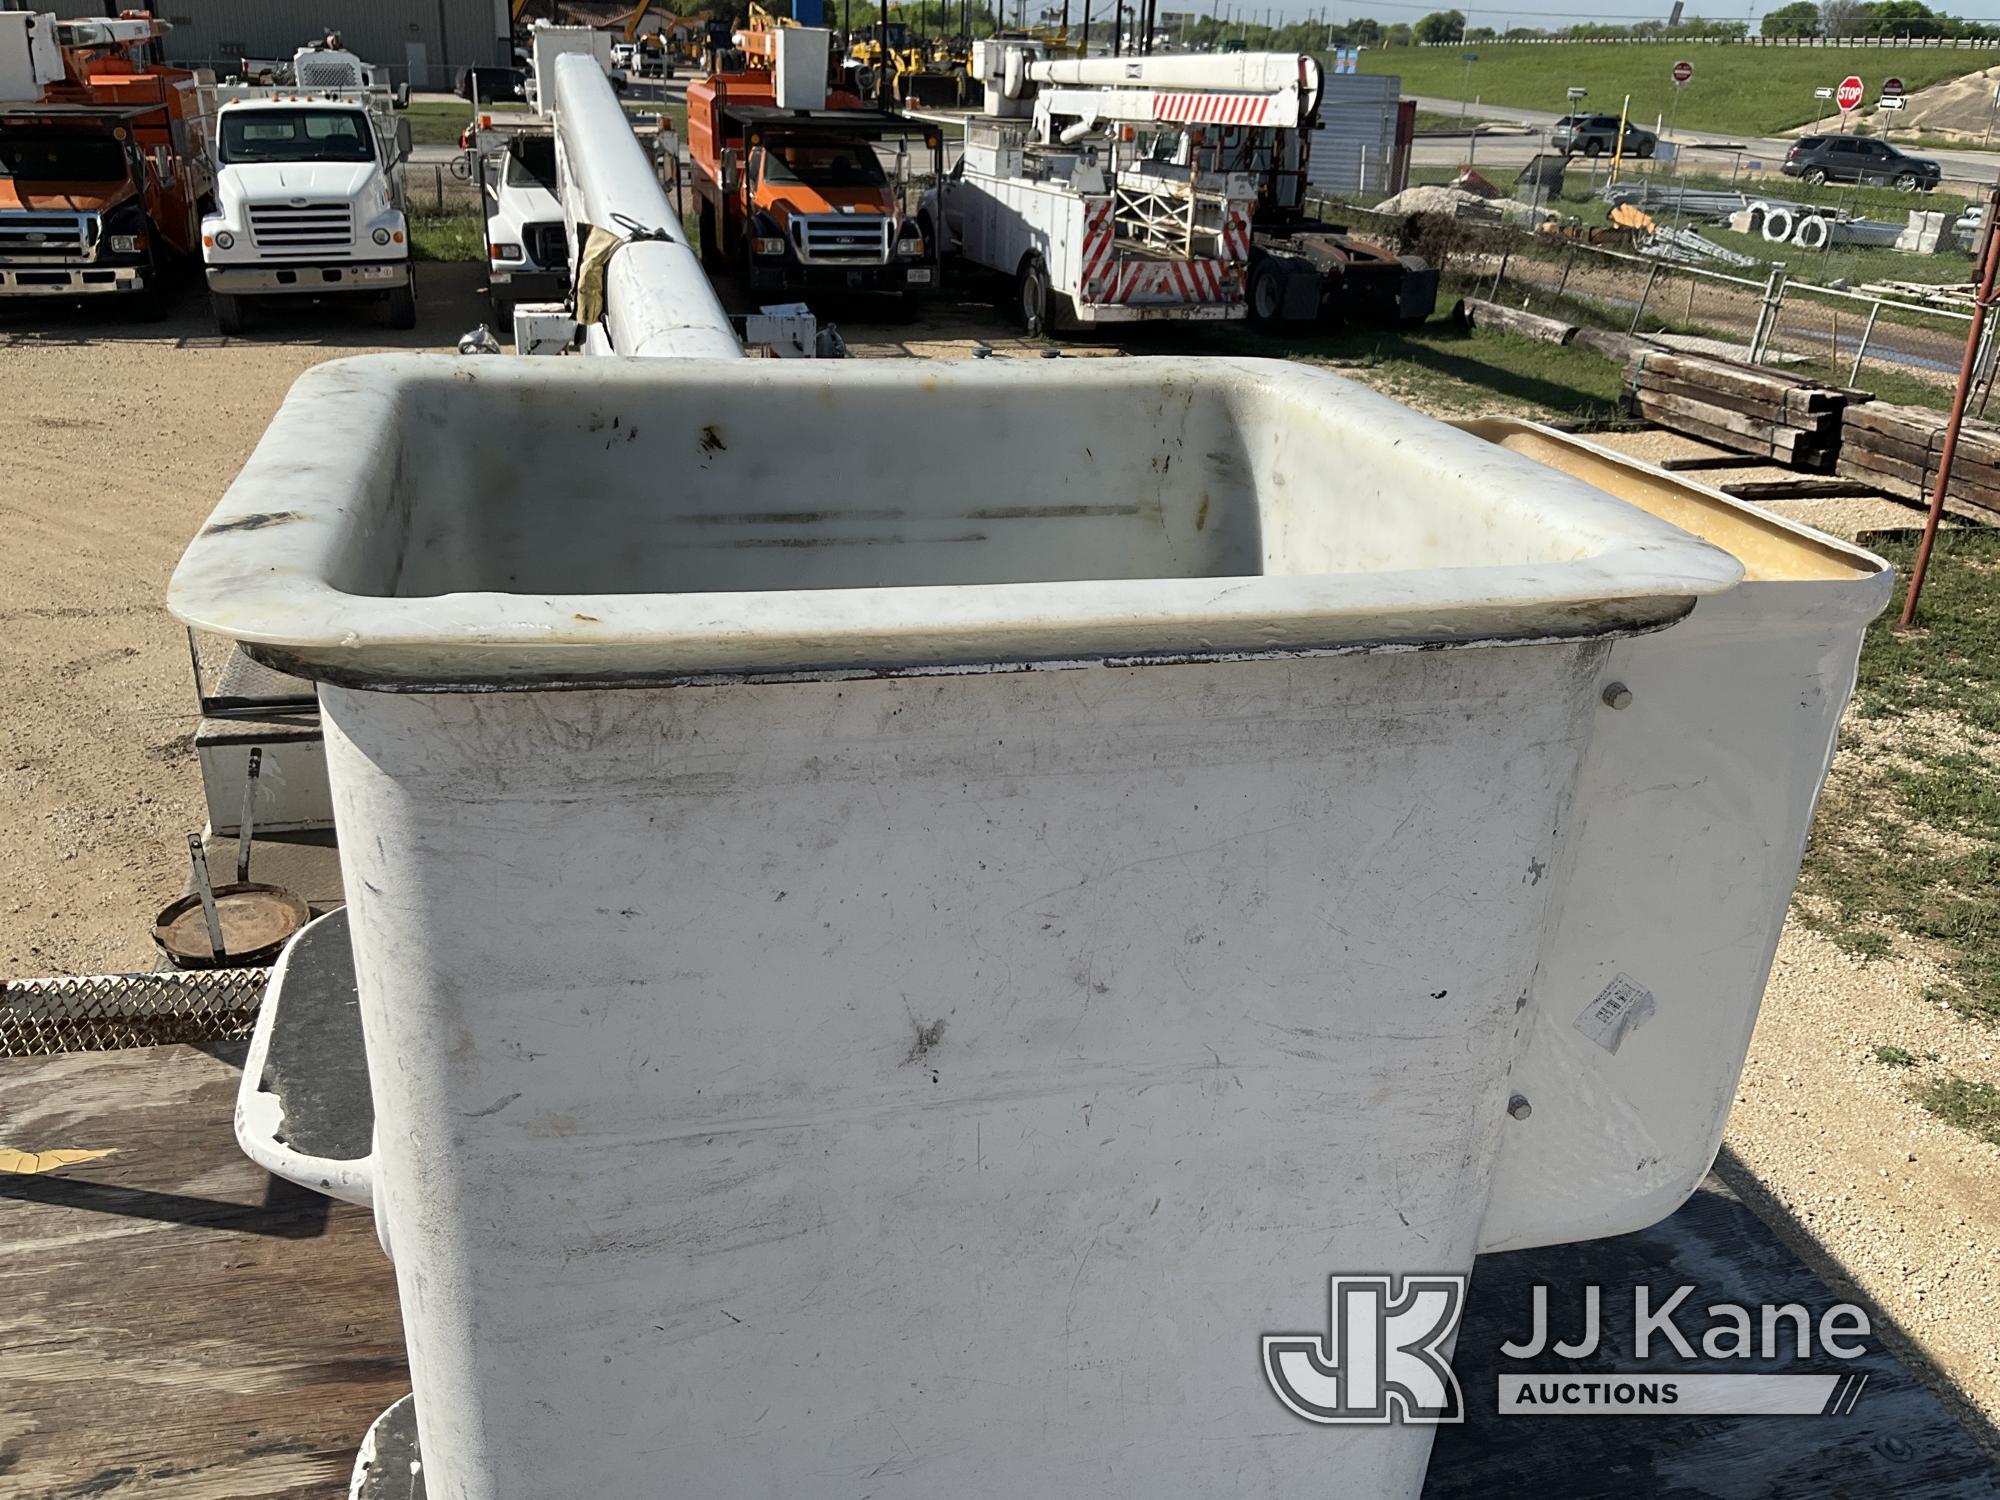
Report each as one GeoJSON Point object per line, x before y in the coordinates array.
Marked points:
{"type": "Point", "coordinates": [1381, 1359]}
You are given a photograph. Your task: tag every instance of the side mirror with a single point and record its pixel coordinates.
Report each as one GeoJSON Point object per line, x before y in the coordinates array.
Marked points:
{"type": "Point", "coordinates": [403, 139]}
{"type": "Point", "coordinates": [729, 168]}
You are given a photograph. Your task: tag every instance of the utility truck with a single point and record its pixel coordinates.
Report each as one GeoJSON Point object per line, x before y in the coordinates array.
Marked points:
{"type": "Point", "coordinates": [1080, 181]}
{"type": "Point", "coordinates": [104, 160]}
{"type": "Point", "coordinates": [789, 180]}
{"type": "Point", "coordinates": [310, 192]}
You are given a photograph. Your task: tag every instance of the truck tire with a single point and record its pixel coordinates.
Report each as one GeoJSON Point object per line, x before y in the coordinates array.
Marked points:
{"type": "Point", "coordinates": [403, 305]}
{"type": "Point", "coordinates": [1031, 297]}
{"type": "Point", "coordinates": [1265, 295]}
{"type": "Point", "coordinates": [1906, 182]}
{"type": "Point", "coordinates": [228, 313]}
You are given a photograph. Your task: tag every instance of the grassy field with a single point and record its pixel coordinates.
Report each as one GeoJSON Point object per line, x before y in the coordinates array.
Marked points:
{"type": "Point", "coordinates": [447, 237]}
{"type": "Point", "coordinates": [1747, 90]}
{"type": "Point", "coordinates": [437, 122]}
{"type": "Point", "coordinates": [1906, 848]}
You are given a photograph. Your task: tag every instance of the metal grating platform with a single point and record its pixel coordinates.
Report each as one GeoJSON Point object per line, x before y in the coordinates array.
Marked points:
{"type": "Point", "coordinates": [95, 1013]}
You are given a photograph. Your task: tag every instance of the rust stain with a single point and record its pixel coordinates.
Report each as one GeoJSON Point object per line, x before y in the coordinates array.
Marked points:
{"type": "Point", "coordinates": [711, 440]}
{"type": "Point", "coordinates": [1201, 515]}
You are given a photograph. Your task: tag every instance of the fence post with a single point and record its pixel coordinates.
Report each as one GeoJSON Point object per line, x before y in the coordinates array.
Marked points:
{"type": "Point", "coordinates": [1861, 349]}
{"type": "Point", "coordinates": [1640, 311]}
{"type": "Point", "coordinates": [1563, 280]}
{"type": "Point", "coordinates": [1767, 315]}
{"type": "Point", "coordinates": [1494, 295]}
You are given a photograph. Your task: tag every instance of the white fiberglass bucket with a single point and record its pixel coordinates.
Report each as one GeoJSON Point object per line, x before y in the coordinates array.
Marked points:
{"type": "Point", "coordinates": [907, 916]}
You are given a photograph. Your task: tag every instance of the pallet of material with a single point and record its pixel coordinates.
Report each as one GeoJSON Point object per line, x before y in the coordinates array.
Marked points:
{"type": "Point", "coordinates": [1789, 419]}
{"type": "Point", "coordinates": [1897, 449]}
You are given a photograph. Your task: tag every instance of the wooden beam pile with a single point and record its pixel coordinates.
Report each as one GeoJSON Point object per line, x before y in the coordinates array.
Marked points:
{"type": "Point", "coordinates": [1766, 413]}
{"type": "Point", "coordinates": [1896, 449]}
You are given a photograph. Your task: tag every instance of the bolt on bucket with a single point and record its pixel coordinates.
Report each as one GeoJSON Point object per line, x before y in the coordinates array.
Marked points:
{"type": "Point", "coordinates": [907, 920]}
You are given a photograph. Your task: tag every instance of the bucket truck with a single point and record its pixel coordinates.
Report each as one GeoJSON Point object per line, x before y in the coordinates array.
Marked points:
{"type": "Point", "coordinates": [104, 165]}
{"type": "Point", "coordinates": [1080, 182]}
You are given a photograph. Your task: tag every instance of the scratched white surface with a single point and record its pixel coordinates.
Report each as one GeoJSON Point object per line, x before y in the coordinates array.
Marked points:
{"type": "Point", "coordinates": [937, 1085]}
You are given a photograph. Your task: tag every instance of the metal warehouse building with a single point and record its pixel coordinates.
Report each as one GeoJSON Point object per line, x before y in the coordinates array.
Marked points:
{"type": "Point", "coordinates": [423, 41]}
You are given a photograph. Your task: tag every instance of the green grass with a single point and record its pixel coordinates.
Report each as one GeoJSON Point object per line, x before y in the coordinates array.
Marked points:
{"type": "Point", "coordinates": [1911, 844]}
{"type": "Point", "coordinates": [438, 122]}
{"type": "Point", "coordinates": [447, 237]}
{"type": "Point", "coordinates": [1895, 1057]}
{"type": "Point", "coordinates": [1431, 119]}
{"type": "Point", "coordinates": [1972, 1107]}
{"type": "Point", "coordinates": [1747, 90]}
{"type": "Point", "coordinates": [1444, 370]}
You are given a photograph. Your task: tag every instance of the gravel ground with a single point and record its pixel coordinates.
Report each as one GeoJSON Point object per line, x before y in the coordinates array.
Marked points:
{"type": "Point", "coordinates": [123, 437]}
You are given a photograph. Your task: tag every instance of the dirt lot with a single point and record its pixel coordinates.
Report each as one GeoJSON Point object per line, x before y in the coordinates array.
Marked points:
{"type": "Point", "coordinates": [122, 439]}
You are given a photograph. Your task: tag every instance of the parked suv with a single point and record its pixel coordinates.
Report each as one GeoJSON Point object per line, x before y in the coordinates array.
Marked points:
{"type": "Point", "coordinates": [1854, 158]}
{"type": "Point", "coordinates": [493, 84]}
{"type": "Point", "coordinates": [1597, 135]}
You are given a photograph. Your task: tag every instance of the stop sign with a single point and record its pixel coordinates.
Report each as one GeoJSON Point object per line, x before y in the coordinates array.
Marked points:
{"type": "Point", "coordinates": [1683, 71]}
{"type": "Point", "coordinates": [1892, 88]}
{"type": "Point", "coordinates": [1848, 95]}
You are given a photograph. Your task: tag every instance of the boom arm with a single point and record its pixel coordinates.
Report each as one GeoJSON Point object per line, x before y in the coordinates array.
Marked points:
{"type": "Point", "coordinates": [1266, 90]}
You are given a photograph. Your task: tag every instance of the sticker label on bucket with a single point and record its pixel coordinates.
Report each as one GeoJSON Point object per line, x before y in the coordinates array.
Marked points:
{"type": "Point", "coordinates": [1620, 1008]}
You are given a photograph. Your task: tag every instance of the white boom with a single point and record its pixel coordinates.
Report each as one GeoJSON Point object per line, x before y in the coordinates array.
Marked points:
{"type": "Point", "coordinates": [657, 298]}
{"type": "Point", "coordinates": [1269, 90]}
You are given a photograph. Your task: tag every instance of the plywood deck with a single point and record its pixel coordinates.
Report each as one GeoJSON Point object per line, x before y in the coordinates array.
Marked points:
{"type": "Point", "coordinates": [174, 1323]}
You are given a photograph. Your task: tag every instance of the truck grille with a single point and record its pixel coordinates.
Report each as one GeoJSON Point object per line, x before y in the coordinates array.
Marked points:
{"type": "Point", "coordinates": [548, 247]}
{"type": "Point", "coordinates": [843, 239]}
{"type": "Point", "coordinates": [308, 227]}
{"type": "Point", "coordinates": [68, 236]}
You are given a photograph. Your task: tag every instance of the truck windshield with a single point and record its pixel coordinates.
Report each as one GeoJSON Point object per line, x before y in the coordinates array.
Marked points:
{"type": "Point", "coordinates": [531, 161]}
{"type": "Point", "coordinates": [823, 164]}
{"type": "Point", "coordinates": [296, 135]}
{"type": "Point", "coordinates": [43, 156]}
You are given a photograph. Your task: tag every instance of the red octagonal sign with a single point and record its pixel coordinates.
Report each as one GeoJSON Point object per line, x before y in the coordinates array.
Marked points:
{"type": "Point", "coordinates": [1848, 95]}
{"type": "Point", "coordinates": [1683, 71]}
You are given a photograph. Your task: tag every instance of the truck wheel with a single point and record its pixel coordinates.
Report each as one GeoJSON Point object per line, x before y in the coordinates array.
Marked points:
{"type": "Point", "coordinates": [228, 313]}
{"type": "Point", "coordinates": [1906, 182]}
{"type": "Point", "coordinates": [711, 250]}
{"type": "Point", "coordinates": [1031, 297]}
{"type": "Point", "coordinates": [403, 306]}
{"type": "Point", "coordinates": [1265, 294]}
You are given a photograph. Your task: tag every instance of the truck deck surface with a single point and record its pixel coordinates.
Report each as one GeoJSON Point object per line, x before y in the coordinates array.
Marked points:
{"type": "Point", "coordinates": [183, 1327]}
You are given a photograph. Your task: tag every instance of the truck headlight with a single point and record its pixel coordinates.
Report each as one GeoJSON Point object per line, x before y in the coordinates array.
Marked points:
{"type": "Point", "coordinates": [381, 236]}
{"type": "Point", "coordinates": [504, 251]}
{"type": "Point", "coordinates": [127, 244]}
{"type": "Point", "coordinates": [767, 244]}
{"type": "Point", "coordinates": [910, 245]}
{"type": "Point", "coordinates": [224, 240]}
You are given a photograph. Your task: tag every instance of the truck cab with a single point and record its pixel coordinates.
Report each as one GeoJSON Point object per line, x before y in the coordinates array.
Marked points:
{"type": "Point", "coordinates": [527, 245]}
{"type": "Point", "coordinates": [789, 179]}
{"type": "Point", "coordinates": [309, 202]}
{"type": "Point", "coordinates": [104, 167]}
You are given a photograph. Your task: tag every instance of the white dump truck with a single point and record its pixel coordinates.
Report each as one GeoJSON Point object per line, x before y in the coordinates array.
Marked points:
{"type": "Point", "coordinates": [309, 192]}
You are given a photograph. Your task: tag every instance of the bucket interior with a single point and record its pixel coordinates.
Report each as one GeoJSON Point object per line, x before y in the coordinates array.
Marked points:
{"type": "Point", "coordinates": [1139, 473]}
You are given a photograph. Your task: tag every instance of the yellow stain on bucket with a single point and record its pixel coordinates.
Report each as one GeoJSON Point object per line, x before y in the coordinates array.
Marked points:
{"type": "Point", "coordinates": [23, 1163]}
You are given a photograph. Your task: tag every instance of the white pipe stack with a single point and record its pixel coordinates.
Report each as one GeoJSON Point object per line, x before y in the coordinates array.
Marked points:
{"type": "Point", "coordinates": [657, 299]}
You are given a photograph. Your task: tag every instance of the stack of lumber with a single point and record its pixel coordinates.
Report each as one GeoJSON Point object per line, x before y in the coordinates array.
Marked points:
{"type": "Point", "coordinates": [1896, 449]}
{"type": "Point", "coordinates": [1745, 408]}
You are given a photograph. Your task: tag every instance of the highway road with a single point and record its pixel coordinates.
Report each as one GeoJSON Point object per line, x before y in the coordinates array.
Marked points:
{"type": "Point", "coordinates": [1964, 170]}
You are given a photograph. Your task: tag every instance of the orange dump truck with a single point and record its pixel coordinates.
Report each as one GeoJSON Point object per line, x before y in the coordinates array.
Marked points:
{"type": "Point", "coordinates": [104, 159]}
{"type": "Point", "coordinates": [789, 175]}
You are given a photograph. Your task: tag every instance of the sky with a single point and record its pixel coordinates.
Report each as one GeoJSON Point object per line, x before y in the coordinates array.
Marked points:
{"type": "Point", "coordinates": [1549, 14]}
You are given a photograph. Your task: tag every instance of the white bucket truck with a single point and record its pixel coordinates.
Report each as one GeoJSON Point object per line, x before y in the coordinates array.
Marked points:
{"type": "Point", "coordinates": [309, 191]}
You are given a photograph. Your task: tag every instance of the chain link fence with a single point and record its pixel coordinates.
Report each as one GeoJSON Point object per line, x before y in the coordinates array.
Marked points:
{"type": "Point", "coordinates": [1901, 349]}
